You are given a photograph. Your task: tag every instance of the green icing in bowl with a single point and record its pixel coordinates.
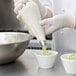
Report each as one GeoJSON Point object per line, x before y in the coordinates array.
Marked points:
{"type": "Point", "coordinates": [45, 52]}
{"type": "Point", "coordinates": [71, 56]}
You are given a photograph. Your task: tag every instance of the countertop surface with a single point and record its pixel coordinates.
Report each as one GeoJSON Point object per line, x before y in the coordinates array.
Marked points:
{"type": "Point", "coordinates": [26, 65]}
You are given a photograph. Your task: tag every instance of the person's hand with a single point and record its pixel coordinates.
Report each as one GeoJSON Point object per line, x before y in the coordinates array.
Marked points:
{"type": "Point", "coordinates": [18, 4]}
{"type": "Point", "coordinates": [45, 12]}
{"type": "Point", "coordinates": [57, 22]}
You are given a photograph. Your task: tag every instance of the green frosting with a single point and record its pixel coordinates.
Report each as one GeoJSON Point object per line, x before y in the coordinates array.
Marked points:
{"type": "Point", "coordinates": [71, 56]}
{"type": "Point", "coordinates": [45, 52]}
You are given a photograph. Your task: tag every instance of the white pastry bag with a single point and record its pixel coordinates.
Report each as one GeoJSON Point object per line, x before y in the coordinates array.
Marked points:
{"type": "Point", "coordinates": [30, 15]}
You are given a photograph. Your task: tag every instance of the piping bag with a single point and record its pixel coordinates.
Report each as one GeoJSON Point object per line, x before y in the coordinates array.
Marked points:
{"type": "Point", "coordinates": [30, 15]}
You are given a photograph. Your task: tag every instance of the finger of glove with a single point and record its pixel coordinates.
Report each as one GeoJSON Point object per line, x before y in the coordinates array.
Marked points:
{"type": "Point", "coordinates": [19, 4]}
{"type": "Point", "coordinates": [52, 29]}
{"type": "Point", "coordinates": [50, 25]}
{"type": "Point", "coordinates": [18, 7]}
{"type": "Point", "coordinates": [48, 21]}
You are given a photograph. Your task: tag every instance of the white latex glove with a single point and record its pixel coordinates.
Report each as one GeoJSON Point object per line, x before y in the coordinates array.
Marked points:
{"type": "Point", "coordinates": [44, 11]}
{"type": "Point", "coordinates": [57, 22]}
{"type": "Point", "coordinates": [18, 4]}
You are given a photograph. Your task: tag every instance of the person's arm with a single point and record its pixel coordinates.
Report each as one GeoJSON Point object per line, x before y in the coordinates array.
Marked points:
{"type": "Point", "coordinates": [58, 22]}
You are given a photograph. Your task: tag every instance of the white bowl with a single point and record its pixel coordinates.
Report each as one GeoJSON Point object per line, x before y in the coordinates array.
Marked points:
{"type": "Point", "coordinates": [46, 61]}
{"type": "Point", "coordinates": [69, 64]}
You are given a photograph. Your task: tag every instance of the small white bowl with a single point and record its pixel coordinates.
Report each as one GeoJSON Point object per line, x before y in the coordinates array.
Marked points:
{"type": "Point", "coordinates": [46, 61]}
{"type": "Point", "coordinates": [69, 64]}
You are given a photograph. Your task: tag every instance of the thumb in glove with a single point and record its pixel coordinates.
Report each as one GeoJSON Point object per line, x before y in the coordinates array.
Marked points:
{"type": "Point", "coordinates": [57, 22]}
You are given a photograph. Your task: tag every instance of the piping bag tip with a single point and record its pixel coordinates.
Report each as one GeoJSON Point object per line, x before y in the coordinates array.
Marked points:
{"type": "Point", "coordinates": [43, 45]}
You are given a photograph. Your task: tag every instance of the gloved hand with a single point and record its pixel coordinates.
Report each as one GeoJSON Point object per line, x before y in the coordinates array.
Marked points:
{"type": "Point", "coordinates": [45, 12]}
{"type": "Point", "coordinates": [18, 4]}
{"type": "Point", "coordinates": [57, 22]}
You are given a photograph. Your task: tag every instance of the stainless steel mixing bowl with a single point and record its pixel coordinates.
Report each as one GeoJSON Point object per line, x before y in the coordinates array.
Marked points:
{"type": "Point", "coordinates": [12, 45]}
